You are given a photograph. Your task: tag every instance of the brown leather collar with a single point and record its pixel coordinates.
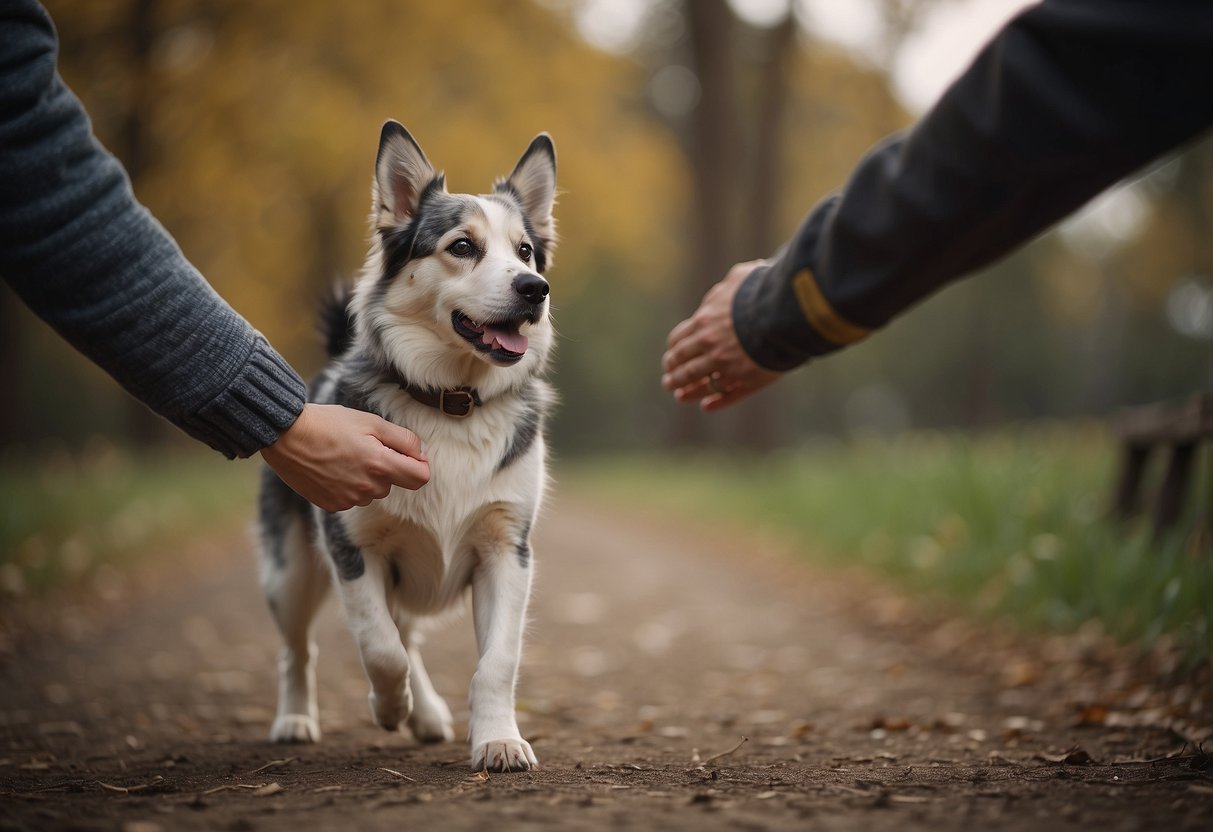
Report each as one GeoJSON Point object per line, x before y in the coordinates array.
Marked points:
{"type": "Point", "coordinates": [459, 402]}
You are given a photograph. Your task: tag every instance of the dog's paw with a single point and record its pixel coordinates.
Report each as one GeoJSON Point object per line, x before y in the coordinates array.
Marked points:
{"type": "Point", "coordinates": [295, 728]}
{"type": "Point", "coordinates": [504, 755]}
{"type": "Point", "coordinates": [389, 711]}
{"type": "Point", "coordinates": [431, 722]}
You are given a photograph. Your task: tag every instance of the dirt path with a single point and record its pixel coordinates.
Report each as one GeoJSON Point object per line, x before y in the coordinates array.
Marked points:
{"type": "Point", "coordinates": [652, 649]}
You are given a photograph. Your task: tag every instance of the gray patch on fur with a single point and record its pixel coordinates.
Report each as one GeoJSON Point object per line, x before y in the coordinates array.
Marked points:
{"type": "Point", "coordinates": [277, 507]}
{"type": "Point", "coordinates": [524, 546]}
{"type": "Point", "coordinates": [438, 214]}
{"type": "Point", "coordinates": [525, 432]}
{"type": "Point", "coordinates": [346, 556]}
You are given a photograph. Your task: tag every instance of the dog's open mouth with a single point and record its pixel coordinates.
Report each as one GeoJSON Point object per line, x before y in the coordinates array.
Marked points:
{"type": "Point", "coordinates": [501, 339]}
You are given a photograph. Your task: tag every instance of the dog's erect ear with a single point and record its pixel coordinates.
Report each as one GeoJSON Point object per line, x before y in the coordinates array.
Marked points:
{"type": "Point", "coordinates": [533, 184]}
{"type": "Point", "coordinates": [402, 174]}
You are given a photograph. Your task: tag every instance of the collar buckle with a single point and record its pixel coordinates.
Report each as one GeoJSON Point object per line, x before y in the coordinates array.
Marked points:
{"type": "Point", "coordinates": [458, 403]}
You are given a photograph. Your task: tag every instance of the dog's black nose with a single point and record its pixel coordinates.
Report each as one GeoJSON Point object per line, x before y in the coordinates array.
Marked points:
{"type": "Point", "coordinates": [532, 287]}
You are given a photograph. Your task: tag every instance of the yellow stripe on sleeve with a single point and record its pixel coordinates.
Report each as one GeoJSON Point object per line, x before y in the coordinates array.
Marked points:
{"type": "Point", "coordinates": [821, 316]}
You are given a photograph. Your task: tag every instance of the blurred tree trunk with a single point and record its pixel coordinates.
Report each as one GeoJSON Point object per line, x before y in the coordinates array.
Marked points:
{"type": "Point", "coordinates": [1195, 186]}
{"type": "Point", "coordinates": [759, 423]}
{"type": "Point", "coordinates": [140, 425]}
{"type": "Point", "coordinates": [1105, 337]}
{"type": "Point", "coordinates": [977, 401]}
{"type": "Point", "coordinates": [714, 160]}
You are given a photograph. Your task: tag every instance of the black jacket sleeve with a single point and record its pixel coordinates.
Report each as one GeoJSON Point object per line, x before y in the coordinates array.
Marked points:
{"type": "Point", "coordinates": [78, 248]}
{"type": "Point", "coordinates": [1071, 96]}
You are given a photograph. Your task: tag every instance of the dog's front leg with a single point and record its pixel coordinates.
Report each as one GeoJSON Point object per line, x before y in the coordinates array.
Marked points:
{"type": "Point", "coordinates": [363, 591]}
{"type": "Point", "coordinates": [500, 587]}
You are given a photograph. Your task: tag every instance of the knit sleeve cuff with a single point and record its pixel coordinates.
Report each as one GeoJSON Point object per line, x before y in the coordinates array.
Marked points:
{"type": "Point", "coordinates": [262, 401]}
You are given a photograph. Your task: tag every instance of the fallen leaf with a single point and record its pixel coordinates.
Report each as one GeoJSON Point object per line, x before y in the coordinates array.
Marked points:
{"type": "Point", "coordinates": [1020, 673]}
{"type": "Point", "coordinates": [890, 724]}
{"type": "Point", "coordinates": [949, 723]}
{"type": "Point", "coordinates": [742, 742]}
{"type": "Point", "coordinates": [1092, 714]}
{"type": "Point", "coordinates": [1076, 756]}
{"type": "Point", "coordinates": [141, 826]}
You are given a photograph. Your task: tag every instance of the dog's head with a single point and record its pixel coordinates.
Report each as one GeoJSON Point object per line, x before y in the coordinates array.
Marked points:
{"type": "Point", "coordinates": [454, 286]}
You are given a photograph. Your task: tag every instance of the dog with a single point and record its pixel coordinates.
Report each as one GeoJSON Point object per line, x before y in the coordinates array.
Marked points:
{"type": "Point", "coordinates": [447, 331]}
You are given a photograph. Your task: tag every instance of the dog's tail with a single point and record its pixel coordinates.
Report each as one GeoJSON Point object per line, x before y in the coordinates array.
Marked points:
{"type": "Point", "coordinates": [336, 321]}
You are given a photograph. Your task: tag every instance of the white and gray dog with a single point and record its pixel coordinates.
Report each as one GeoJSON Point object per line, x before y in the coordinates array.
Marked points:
{"type": "Point", "coordinates": [446, 332]}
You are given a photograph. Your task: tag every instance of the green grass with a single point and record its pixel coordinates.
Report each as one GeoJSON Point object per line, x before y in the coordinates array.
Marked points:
{"type": "Point", "coordinates": [1012, 524]}
{"type": "Point", "coordinates": [63, 517]}
{"type": "Point", "coordinates": [1007, 524]}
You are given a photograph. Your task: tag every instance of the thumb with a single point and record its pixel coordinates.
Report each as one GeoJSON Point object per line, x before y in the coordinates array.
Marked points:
{"type": "Point", "coordinates": [401, 440]}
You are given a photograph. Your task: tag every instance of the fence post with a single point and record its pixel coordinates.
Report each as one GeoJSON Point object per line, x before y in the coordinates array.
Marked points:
{"type": "Point", "coordinates": [1174, 486]}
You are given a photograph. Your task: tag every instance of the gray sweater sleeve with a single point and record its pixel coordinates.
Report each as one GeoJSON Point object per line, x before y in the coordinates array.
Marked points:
{"type": "Point", "coordinates": [91, 261]}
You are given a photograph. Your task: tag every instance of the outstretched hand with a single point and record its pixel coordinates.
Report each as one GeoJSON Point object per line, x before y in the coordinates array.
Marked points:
{"type": "Point", "coordinates": [704, 361]}
{"type": "Point", "coordinates": [337, 458]}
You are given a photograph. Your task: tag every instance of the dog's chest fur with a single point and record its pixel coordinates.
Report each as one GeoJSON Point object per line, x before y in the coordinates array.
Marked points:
{"type": "Point", "coordinates": [430, 540]}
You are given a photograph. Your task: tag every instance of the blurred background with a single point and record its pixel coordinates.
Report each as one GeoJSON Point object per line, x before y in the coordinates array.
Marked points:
{"type": "Point", "coordinates": [692, 134]}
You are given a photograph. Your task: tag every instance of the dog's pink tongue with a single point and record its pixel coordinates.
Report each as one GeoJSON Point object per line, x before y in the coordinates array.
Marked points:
{"type": "Point", "coordinates": [512, 341]}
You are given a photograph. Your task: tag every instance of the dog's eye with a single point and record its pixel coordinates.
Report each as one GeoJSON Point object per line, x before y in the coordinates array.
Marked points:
{"type": "Point", "coordinates": [524, 252]}
{"type": "Point", "coordinates": [462, 248]}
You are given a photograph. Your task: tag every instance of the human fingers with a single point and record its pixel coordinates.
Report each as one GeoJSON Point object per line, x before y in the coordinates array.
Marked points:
{"type": "Point", "coordinates": [404, 471]}
{"type": "Point", "coordinates": [399, 457]}
{"type": "Point", "coordinates": [397, 438]}
{"type": "Point", "coordinates": [679, 332]}
{"type": "Point", "coordinates": [743, 387]}
{"type": "Point", "coordinates": [696, 390]}
{"type": "Point", "coordinates": [695, 369]}
{"type": "Point", "coordinates": [717, 389]}
{"type": "Point", "coordinates": [712, 354]}
{"type": "Point", "coordinates": [710, 327]}
{"type": "Point", "coordinates": [688, 344]}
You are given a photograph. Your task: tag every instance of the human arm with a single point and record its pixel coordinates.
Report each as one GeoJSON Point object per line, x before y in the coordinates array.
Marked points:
{"type": "Point", "coordinates": [91, 261]}
{"type": "Point", "coordinates": [1071, 96]}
